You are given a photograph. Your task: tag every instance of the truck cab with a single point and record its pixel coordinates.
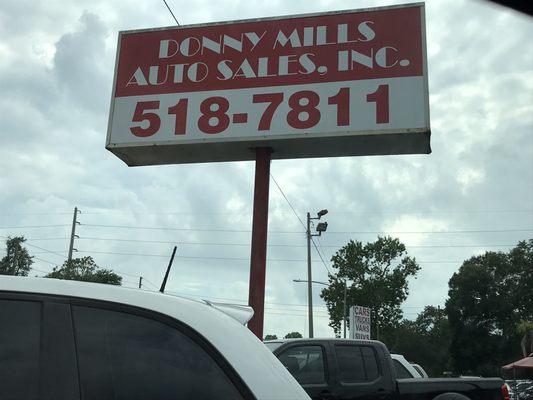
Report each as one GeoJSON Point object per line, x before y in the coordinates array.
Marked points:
{"type": "Point", "coordinates": [346, 369]}
{"type": "Point", "coordinates": [336, 368]}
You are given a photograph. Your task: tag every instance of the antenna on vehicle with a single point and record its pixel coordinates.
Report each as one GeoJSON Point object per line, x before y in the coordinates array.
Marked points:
{"type": "Point", "coordinates": [162, 290]}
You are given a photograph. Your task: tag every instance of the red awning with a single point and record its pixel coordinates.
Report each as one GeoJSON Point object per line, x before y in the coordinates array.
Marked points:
{"type": "Point", "coordinates": [526, 362]}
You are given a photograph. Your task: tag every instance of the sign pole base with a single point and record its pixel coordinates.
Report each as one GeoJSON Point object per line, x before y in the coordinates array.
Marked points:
{"type": "Point", "coordinates": [256, 297]}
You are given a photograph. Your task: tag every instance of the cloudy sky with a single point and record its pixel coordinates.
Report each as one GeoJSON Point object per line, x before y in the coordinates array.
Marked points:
{"type": "Point", "coordinates": [472, 194]}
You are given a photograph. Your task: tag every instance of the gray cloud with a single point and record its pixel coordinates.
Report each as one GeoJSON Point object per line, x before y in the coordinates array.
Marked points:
{"type": "Point", "coordinates": [55, 75]}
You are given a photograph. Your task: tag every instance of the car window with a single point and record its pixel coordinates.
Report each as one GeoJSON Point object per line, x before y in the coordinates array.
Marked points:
{"type": "Point", "coordinates": [20, 341]}
{"type": "Point", "coordinates": [401, 371]}
{"type": "Point", "coordinates": [371, 363]}
{"type": "Point", "coordinates": [129, 357]}
{"type": "Point", "coordinates": [356, 363]}
{"type": "Point", "coordinates": [272, 346]}
{"type": "Point", "coordinates": [305, 363]}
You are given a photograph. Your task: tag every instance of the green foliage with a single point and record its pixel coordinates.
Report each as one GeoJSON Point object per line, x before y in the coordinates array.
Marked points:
{"type": "Point", "coordinates": [17, 260]}
{"type": "Point", "coordinates": [488, 297]}
{"type": "Point", "coordinates": [293, 335]}
{"type": "Point", "coordinates": [424, 341]}
{"type": "Point", "coordinates": [524, 327]}
{"type": "Point", "coordinates": [270, 337]}
{"type": "Point", "coordinates": [85, 269]}
{"type": "Point", "coordinates": [379, 273]}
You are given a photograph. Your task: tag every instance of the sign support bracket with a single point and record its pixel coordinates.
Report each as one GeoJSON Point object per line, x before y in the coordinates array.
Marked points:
{"type": "Point", "coordinates": [256, 297]}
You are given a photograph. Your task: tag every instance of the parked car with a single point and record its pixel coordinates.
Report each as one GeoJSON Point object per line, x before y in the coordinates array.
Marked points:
{"type": "Point", "coordinates": [65, 340]}
{"type": "Point", "coordinates": [341, 369]}
{"type": "Point", "coordinates": [403, 368]}
{"type": "Point", "coordinates": [420, 370]}
{"type": "Point", "coordinates": [520, 389]}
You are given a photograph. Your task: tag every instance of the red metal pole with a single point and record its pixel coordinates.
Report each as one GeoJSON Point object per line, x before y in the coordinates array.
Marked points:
{"type": "Point", "coordinates": [256, 298]}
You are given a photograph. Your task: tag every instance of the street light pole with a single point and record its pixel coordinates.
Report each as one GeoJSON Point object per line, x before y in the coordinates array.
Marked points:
{"type": "Point", "coordinates": [344, 310]}
{"type": "Point", "coordinates": [309, 277]}
{"type": "Point", "coordinates": [321, 227]}
{"type": "Point", "coordinates": [344, 302]}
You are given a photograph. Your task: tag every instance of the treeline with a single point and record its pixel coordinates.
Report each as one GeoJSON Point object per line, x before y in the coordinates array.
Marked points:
{"type": "Point", "coordinates": [18, 262]}
{"type": "Point", "coordinates": [485, 324]}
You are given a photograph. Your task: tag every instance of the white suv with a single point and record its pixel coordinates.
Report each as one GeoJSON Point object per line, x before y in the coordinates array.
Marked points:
{"type": "Point", "coordinates": [65, 340]}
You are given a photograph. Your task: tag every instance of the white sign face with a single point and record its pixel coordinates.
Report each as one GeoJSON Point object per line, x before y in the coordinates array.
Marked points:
{"type": "Point", "coordinates": [336, 84]}
{"type": "Point", "coordinates": [360, 322]}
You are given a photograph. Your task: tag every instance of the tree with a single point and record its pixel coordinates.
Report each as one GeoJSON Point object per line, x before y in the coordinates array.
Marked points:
{"type": "Point", "coordinates": [378, 273]}
{"type": "Point", "coordinates": [425, 340]}
{"type": "Point", "coordinates": [293, 335]}
{"type": "Point", "coordinates": [488, 297]}
{"type": "Point", "coordinates": [17, 260]}
{"type": "Point", "coordinates": [85, 269]}
{"type": "Point", "coordinates": [270, 337]}
{"type": "Point", "coordinates": [525, 328]}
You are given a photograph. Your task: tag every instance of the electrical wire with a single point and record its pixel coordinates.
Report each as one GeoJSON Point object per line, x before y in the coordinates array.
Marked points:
{"type": "Point", "coordinates": [31, 226]}
{"type": "Point", "coordinates": [237, 258]}
{"type": "Point", "coordinates": [288, 202]}
{"type": "Point", "coordinates": [301, 222]}
{"type": "Point", "coordinates": [175, 19]}
{"type": "Point", "coordinates": [321, 245]}
{"type": "Point", "coordinates": [115, 211]}
{"type": "Point", "coordinates": [299, 232]}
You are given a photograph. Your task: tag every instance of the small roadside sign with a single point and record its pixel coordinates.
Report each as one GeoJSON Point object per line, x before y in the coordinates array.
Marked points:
{"type": "Point", "coordinates": [360, 322]}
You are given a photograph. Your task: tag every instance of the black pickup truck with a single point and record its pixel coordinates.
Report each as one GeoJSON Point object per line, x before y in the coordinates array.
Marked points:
{"type": "Point", "coordinates": [342, 369]}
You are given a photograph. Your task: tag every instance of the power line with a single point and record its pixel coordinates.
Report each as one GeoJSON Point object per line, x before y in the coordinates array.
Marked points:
{"type": "Point", "coordinates": [120, 211]}
{"type": "Point", "coordinates": [231, 258]}
{"type": "Point", "coordinates": [288, 202]}
{"type": "Point", "coordinates": [166, 228]}
{"type": "Point", "coordinates": [46, 250]}
{"type": "Point", "coordinates": [32, 226]}
{"type": "Point", "coordinates": [320, 255]}
{"type": "Point", "coordinates": [301, 222]}
{"type": "Point", "coordinates": [433, 212]}
{"type": "Point", "coordinates": [435, 232]}
{"type": "Point", "coordinates": [125, 273]}
{"type": "Point", "coordinates": [175, 19]}
{"type": "Point", "coordinates": [320, 310]}
{"type": "Point", "coordinates": [150, 283]}
{"type": "Point", "coordinates": [37, 247]}
{"type": "Point", "coordinates": [299, 232]}
{"type": "Point", "coordinates": [107, 239]}
{"type": "Point", "coordinates": [50, 238]}
{"type": "Point", "coordinates": [46, 261]}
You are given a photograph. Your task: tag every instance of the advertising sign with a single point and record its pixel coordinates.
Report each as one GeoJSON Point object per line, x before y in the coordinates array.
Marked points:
{"type": "Point", "coordinates": [360, 322]}
{"type": "Point", "coordinates": [319, 85]}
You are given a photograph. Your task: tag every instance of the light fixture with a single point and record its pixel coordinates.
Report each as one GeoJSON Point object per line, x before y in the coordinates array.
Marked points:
{"type": "Point", "coordinates": [321, 227]}
{"type": "Point", "coordinates": [321, 213]}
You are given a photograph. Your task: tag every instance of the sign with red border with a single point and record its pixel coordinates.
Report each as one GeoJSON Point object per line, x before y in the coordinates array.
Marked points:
{"type": "Point", "coordinates": [321, 85]}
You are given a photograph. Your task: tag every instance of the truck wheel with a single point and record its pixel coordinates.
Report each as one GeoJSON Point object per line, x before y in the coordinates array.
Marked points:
{"type": "Point", "coordinates": [451, 396]}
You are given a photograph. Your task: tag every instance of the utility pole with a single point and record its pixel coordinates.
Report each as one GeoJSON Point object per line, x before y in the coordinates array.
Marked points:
{"type": "Point", "coordinates": [140, 282]}
{"type": "Point", "coordinates": [321, 227]}
{"type": "Point", "coordinates": [344, 309]}
{"type": "Point", "coordinates": [73, 233]}
{"type": "Point", "coordinates": [309, 277]}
